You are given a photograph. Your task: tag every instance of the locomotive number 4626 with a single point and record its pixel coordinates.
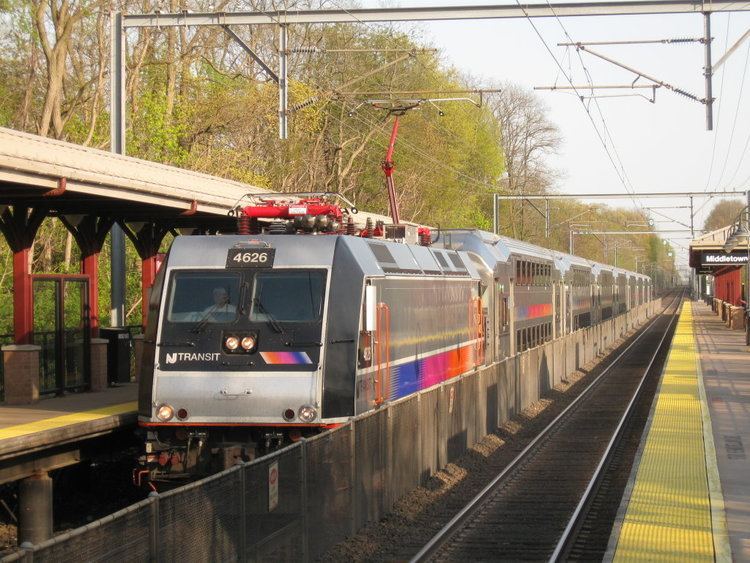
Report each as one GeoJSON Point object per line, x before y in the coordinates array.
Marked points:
{"type": "Point", "coordinates": [250, 257]}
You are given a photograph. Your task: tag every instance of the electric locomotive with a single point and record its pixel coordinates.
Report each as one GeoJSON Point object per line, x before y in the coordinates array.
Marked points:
{"type": "Point", "coordinates": [254, 341]}
{"type": "Point", "coordinates": [258, 339]}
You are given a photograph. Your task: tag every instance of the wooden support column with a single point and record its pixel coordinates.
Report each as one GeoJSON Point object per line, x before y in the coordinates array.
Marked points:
{"type": "Point", "coordinates": [89, 232]}
{"type": "Point", "coordinates": [19, 224]}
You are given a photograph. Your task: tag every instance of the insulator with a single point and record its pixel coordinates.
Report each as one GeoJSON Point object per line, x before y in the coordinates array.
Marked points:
{"type": "Point", "coordinates": [306, 103]}
{"type": "Point", "coordinates": [277, 228]}
{"type": "Point", "coordinates": [307, 50]}
{"type": "Point", "coordinates": [350, 227]}
{"type": "Point", "coordinates": [243, 224]}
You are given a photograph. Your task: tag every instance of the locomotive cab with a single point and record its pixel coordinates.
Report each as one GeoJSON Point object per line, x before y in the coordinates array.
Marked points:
{"type": "Point", "coordinates": [253, 343]}
{"type": "Point", "coordinates": [238, 341]}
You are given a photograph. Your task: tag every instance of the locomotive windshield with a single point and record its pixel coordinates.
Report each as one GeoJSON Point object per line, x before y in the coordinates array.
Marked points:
{"type": "Point", "coordinates": [290, 296]}
{"type": "Point", "coordinates": [204, 297]}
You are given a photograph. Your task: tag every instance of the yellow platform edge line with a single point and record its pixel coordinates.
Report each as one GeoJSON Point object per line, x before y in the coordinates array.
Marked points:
{"type": "Point", "coordinates": [722, 547]}
{"type": "Point", "coordinates": [66, 420]}
{"type": "Point", "coordinates": [641, 522]}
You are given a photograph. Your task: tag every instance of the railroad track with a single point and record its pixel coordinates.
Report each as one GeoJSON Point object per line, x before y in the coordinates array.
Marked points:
{"type": "Point", "coordinates": [537, 507]}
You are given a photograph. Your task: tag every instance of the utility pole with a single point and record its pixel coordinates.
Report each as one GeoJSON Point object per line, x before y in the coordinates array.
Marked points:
{"type": "Point", "coordinates": [117, 146]}
{"type": "Point", "coordinates": [283, 83]}
{"type": "Point", "coordinates": [708, 72]}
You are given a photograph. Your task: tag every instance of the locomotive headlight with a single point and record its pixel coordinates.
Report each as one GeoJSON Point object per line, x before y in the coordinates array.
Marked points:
{"type": "Point", "coordinates": [307, 413]}
{"type": "Point", "coordinates": [232, 343]}
{"type": "Point", "coordinates": [164, 412]}
{"type": "Point", "coordinates": [248, 343]}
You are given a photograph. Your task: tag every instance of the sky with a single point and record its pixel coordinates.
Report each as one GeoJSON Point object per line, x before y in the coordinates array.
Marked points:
{"type": "Point", "coordinates": [660, 147]}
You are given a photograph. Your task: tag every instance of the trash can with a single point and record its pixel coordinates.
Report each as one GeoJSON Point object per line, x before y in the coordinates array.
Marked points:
{"type": "Point", "coordinates": [118, 354]}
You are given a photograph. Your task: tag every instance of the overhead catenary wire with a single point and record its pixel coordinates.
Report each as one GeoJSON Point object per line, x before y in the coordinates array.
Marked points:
{"type": "Point", "coordinates": [622, 177]}
{"type": "Point", "coordinates": [743, 153]}
{"type": "Point", "coordinates": [409, 147]}
{"type": "Point", "coordinates": [402, 142]}
{"type": "Point", "coordinates": [598, 107]}
{"type": "Point", "coordinates": [734, 121]}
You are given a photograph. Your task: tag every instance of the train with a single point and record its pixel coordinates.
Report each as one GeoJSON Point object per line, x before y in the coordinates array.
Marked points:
{"type": "Point", "coordinates": [257, 340]}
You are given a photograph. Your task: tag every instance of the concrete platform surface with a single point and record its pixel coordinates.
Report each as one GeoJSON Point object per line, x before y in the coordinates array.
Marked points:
{"type": "Point", "coordinates": [667, 510]}
{"type": "Point", "coordinates": [59, 420]}
{"type": "Point", "coordinates": [725, 363]}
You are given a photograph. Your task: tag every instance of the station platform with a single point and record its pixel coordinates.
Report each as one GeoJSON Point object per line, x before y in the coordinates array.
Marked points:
{"type": "Point", "coordinates": [62, 420]}
{"type": "Point", "coordinates": [688, 498]}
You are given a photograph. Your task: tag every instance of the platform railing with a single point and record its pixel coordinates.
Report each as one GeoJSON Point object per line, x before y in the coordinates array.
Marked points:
{"type": "Point", "coordinates": [74, 375]}
{"type": "Point", "coordinates": [298, 502]}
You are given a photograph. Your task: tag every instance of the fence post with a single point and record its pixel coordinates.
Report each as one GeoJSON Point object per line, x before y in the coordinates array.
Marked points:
{"type": "Point", "coordinates": [154, 527]}
{"type": "Point", "coordinates": [243, 513]}
{"type": "Point", "coordinates": [420, 453]}
{"type": "Point", "coordinates": [388, 460]}
{"type": "Point", "coordinates": [303, 501]}
{"type": "Point", "coordinates": [353, 475]}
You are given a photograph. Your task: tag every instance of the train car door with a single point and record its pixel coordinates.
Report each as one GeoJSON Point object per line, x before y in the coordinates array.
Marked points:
{"type": "Point", "coordinates": [502, 319]}
{"type": "Point", "coordinates": [382, 347]}
{"type": "Point", "coordinates": [557, 289]}
{"type": "Point", "coordinates": [512, 312]}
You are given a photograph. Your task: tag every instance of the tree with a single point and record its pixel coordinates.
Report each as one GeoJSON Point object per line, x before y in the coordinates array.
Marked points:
{"type": "Point", "coordinates": [723, 214]}
{"type": "Point", "coordinates": [528, 137]}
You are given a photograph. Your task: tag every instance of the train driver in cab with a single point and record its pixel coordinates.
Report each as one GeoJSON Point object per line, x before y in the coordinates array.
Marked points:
{"type": "Point", "coordinates": [221, 310]}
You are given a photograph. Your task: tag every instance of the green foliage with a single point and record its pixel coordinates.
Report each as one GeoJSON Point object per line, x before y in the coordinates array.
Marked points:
{"type": "Point", "coordinates": [723, 214]}
{"type": "Point", "coordinates": [198, 101]}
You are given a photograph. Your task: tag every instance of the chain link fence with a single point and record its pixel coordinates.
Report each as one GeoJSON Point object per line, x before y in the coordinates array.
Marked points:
{"type": "Point", "coordinates": [296, 503]}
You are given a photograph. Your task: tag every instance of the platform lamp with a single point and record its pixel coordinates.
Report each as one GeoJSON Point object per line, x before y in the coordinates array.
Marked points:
{"type": "Point", "coordinates": [740, 236]}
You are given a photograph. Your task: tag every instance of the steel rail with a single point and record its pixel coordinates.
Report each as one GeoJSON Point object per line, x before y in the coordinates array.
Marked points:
{"type": "Point", "coordinates": [447, 531]}
{"type": "Point", "coordinates": [569, 534]}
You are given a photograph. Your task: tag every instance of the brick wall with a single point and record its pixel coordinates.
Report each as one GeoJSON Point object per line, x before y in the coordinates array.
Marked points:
{"type": "Point", "coordinates": [21, 367]}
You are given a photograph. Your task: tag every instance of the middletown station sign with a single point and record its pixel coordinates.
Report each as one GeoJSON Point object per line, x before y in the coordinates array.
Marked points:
{"type": "Point", "coordinates": [720, 258]}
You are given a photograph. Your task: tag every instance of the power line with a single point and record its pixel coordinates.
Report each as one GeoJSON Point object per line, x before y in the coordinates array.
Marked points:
{"type": "Point", "coordinates": [419, 152]}
{"type": "Point", "coordinates": [734, 121]}
{"type": "Point", "coordinates": [570, 82]}
{"type": "Point", "coordinates": [718, 111]}
{"type": "Point", "coordinates": [402, 142]}
{"type": "Point", "coordinates": [747, 141]}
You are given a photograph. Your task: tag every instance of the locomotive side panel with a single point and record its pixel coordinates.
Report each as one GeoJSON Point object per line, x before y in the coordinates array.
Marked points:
{"type": "Point", "coordinates": [428, 331]}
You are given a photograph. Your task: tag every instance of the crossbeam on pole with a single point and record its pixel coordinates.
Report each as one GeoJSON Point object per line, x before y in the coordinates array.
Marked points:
{"type": "Point", "coordinates": [634, 232]}
{"type": "Point", "coordinates": [621, 195]}
{"type": "Point", "coordinates": [436, 13]}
